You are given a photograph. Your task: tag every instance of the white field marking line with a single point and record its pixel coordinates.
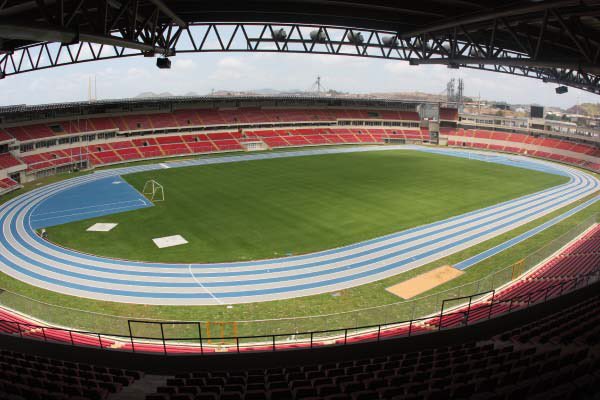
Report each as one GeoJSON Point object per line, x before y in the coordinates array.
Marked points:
{"type": "Point", "coordinates": [83, 213]}
{"type": "Point", "coordinates": [83, 208]}
{"type": "Point", "coordinates": [164, 165]}
{"type": "Point", "coordinates": [226, 159]}
{"type": "Point", "coordinates": [202, 286]}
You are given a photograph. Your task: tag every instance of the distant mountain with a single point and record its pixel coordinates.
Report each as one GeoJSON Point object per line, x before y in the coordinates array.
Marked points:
{"type": "Point", "coordinates": [266, 92]}
{"type": "Point", "coordinates": [148, 95]}
{"type": "Point", "coordinates": [590, 109]}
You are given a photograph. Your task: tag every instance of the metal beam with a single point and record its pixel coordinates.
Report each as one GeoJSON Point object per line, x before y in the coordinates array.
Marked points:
{"type": "Point", "coordinates": [247, 37]}
{"type": "Point", "coordinates": [169, 13]}
{"type": "Point", "coordinates": [66, 36]}
{"type": "Point", "coordinates": [36, 33]}
{"type": "Point", "coordinates": [489, 16]}
{"type": "Point", "coordinates": [514, 62]}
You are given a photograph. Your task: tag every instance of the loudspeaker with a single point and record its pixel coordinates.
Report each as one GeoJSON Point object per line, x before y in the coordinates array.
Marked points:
{"type": "Point", "coordinates": [163, 63]}
{"type": "Point", "coordinates": [561, 89]}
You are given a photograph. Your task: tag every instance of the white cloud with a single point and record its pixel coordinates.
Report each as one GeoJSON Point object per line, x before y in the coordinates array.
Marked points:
{"type": "Point", "coordinates": [230, 63]}
{"type": "Point", "coordinates": [138, 73]}
{"type": "Point", "coordinates": [184, 64]}
{"type": "Point", "coordinates": [201, 72]}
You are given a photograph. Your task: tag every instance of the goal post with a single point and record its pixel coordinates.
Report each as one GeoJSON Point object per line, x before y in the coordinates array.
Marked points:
{"type": "Point", "coordinates": [253, 145]}
{"type": "Point", "coordinates": [154, 190]}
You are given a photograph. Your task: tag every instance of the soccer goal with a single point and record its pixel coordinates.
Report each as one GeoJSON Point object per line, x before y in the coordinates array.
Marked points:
{"type": "Point", "coordinates": [254, 145]}
{"type": "Point", "coordinates": [154, 191]}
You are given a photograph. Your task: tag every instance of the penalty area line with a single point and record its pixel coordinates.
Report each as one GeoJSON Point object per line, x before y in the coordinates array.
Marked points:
{"type": "Point", "coordinates": [203, 287]}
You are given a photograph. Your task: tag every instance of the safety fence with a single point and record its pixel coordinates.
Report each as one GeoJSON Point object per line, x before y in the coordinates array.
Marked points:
{"type": "Point", "coordinates": [303, 329]}
{"type": "Point", "coordinates": [472, 309]}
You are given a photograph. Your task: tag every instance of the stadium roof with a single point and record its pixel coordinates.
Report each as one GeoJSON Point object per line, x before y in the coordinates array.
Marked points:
{"type": "Point", "coordinates": [558, 41]}
{"type": "Point", "coordinates": [73, 109]}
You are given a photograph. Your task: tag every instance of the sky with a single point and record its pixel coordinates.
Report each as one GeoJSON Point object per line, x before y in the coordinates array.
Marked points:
{"type": "Point", "coordinates": [201, 73]}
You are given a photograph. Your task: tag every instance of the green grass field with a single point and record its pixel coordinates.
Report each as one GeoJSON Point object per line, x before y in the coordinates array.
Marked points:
{"type": "Point", "coordinates": [272, 208]}
{"type": "Point", "coordinates": [111, 317]}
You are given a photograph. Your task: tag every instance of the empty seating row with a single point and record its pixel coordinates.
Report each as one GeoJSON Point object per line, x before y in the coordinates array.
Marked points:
{"type": "Point", "coordinates": [448, 114]}
{"type": "Point", "coordinates": [173, 145]}
{"type": "Point", "coordinates": [199, 117]}
{"type": "Point", "coordinates": [5, 137]}
{"type": "Point", "coordinates": [7, 160]}
{"type": "Point", "coordinates": [578, 324]}
{"type": "Point", "coordinates": [8, 185]}
{"type": "Point", "coordinates": [550, 148]}
{"type": "Point", "coordinates": [490, 371]}
{"type": "Point", "coordinates": [589, 243]}
{"type": "Point", "coordinates": [32, 377]}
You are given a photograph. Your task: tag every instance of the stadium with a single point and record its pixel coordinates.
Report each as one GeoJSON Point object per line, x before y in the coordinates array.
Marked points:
{"type": "Point", "coordinates": [300, 246]}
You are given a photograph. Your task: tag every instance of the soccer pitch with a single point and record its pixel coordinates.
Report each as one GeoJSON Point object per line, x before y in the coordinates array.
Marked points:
{"type": "Point", "coordinates": [273, 208]}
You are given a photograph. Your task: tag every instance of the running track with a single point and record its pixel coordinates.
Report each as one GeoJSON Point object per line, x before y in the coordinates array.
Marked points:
{"type": "Point", "coordinates": [24, 256]}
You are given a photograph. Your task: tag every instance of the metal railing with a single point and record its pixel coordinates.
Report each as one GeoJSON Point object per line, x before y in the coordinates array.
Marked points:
{"type": "Point", "coordinates": [471, 309]}
{"type": "Point", "coordinates": [426, 304]}
{"type": "Point", "coordinates": [279, 331]}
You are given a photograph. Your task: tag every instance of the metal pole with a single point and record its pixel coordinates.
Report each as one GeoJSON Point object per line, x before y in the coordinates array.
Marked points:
{"type": "Point", "coordinates": [162, 333]}
{"type": "Point", "coordinates": [468, 310]}
{"type": "Point", "coordinates": [200, 337]}
{"type": "Point", "coordinates": [131, 336]}
{"type": "Point", "coordinates": [492, 303]}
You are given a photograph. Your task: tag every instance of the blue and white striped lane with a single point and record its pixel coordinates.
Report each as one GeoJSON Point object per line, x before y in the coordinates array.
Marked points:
{"type": "Point", "coordinates": [26, 257]}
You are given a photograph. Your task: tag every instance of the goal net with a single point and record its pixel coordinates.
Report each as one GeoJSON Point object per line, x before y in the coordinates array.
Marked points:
{"type": "Point", "coordinates": [154, 191]}
{"type": "Point", "coordinates": [254, 145]}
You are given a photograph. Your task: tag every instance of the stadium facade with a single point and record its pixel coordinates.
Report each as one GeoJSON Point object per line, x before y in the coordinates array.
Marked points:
{"type": "Point", "coordinates": [37, 141]}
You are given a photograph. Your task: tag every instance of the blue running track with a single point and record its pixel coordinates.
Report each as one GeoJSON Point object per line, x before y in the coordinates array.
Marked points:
{"type": "Point", "coordinates": [25, 256]}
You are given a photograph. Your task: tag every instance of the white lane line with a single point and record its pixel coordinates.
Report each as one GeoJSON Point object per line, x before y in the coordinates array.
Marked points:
{"type": "Point", "coordinates": [202, 286]}
{"type": "Point", "coordinates": [370, 255]}
{"type": "Point", "coordinates": [212, 295]}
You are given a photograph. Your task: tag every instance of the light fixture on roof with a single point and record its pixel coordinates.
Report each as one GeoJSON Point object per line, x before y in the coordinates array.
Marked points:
{"type": "Point", "coordinates": [163, 63]}
{"type": "Point", "coordinates": [561, 89]}
{"type": "Point", "coordinates": [390, 41]}
{"type": "Point", "coordinates": [279, 35]}
{"type": "Point", "coordinates": [355, 38]}
{"type": "Point", "coordinates": [319, 36]}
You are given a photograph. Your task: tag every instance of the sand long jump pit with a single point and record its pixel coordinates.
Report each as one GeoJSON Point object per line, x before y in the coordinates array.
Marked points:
{"type": "Point", "coordinates": [424, 282]}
